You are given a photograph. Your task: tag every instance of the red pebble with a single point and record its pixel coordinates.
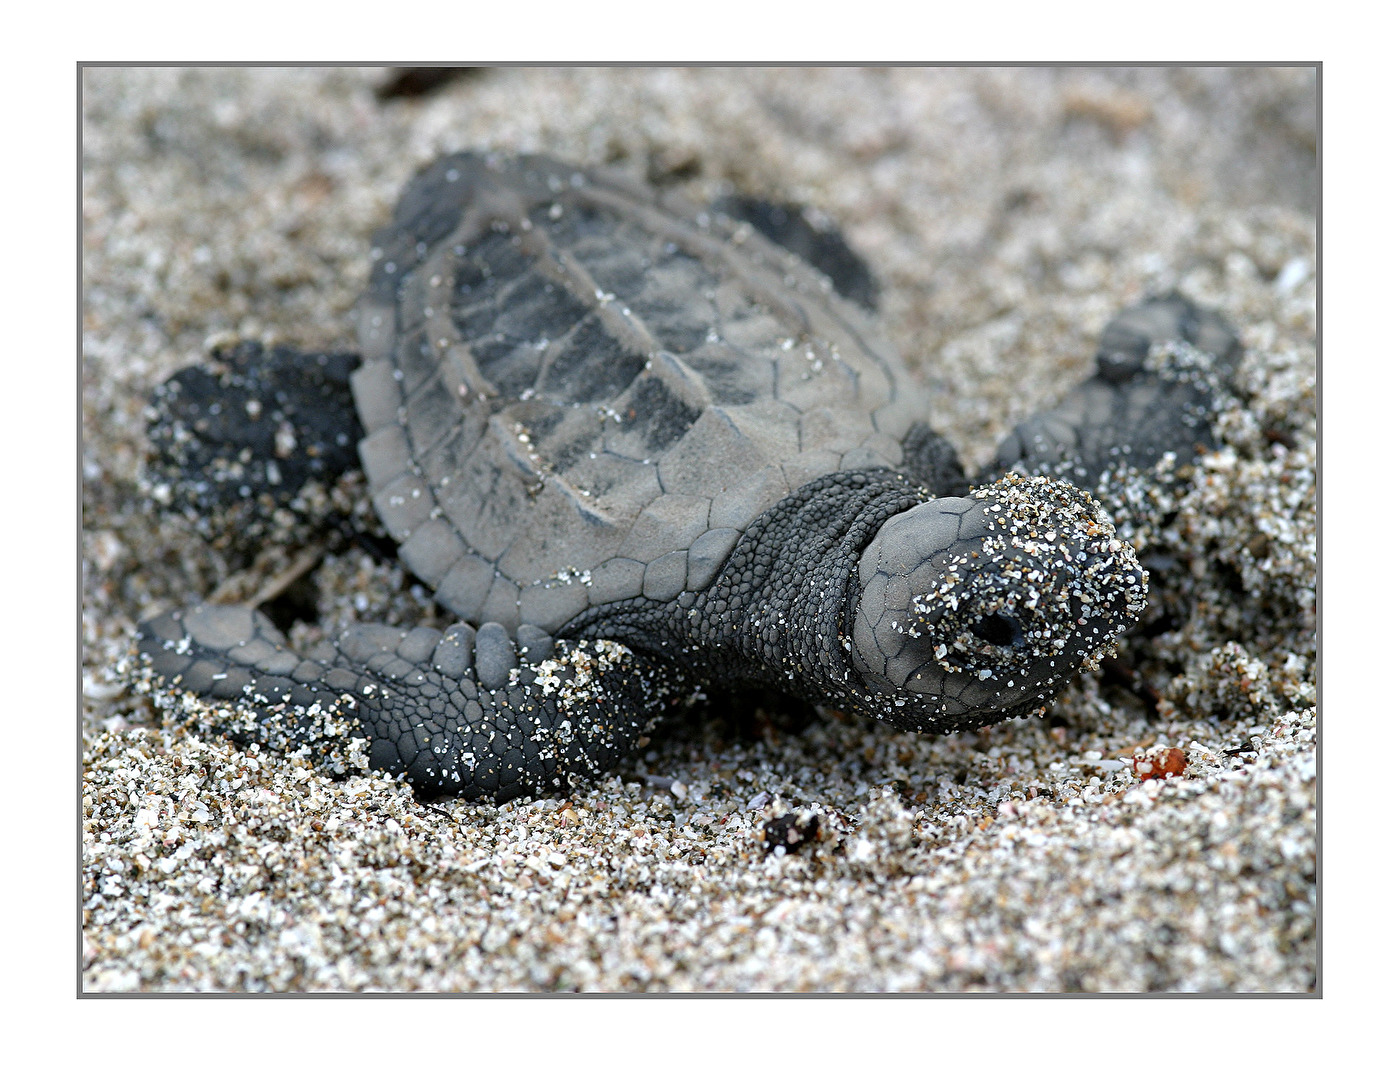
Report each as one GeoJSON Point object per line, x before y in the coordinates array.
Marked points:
{"type": "Point", "coordinates": [1160, 764]}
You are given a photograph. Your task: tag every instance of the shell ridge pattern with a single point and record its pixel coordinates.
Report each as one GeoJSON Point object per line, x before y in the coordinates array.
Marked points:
{"type": "Point", "coordinates": [539, 399]}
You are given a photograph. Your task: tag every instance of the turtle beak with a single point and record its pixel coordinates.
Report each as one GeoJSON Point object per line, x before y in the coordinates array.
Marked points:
{"type": "Point", "coordinates": [992, 602]}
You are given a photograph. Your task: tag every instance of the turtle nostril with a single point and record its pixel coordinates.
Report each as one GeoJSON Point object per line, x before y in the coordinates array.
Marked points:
{"type": "Point", "coordinates": [998, 630]}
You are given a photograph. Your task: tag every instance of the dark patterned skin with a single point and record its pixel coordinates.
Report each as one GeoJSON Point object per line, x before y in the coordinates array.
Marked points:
{"type": "Point", "coordinates": [416, 698]}
{"type": "Point", "coordinates": [244, 435]}
{"type": "Point", "coordinates": [637, 449]}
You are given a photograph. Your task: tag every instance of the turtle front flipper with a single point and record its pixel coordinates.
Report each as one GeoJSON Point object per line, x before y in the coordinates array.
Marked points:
{"type": "Point", "coordinates": [932, 461]}
{"type": "Point", "coordinates": [458, 713]}
{"type": "Point", "coordinates": [1142, 404]}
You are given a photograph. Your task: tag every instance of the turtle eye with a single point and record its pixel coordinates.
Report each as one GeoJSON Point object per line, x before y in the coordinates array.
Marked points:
{"type": "Point", "coordinates": [999, 629]}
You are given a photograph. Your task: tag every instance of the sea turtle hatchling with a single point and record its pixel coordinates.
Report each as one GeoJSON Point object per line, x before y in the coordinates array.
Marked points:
{"type": "Point", "coordinates": [639, 448]}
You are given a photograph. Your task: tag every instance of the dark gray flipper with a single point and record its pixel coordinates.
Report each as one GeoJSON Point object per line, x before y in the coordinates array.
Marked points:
{"type": "Point", "coordinates": [1130, 335]}
{"type": "Point", "coordinates": [458, 713]}
{"type": "Point", "coordinates": [243, 435]}
{"type": "Point", "coordinates": [931, 460]}
{"type": "Point", "coordinates": [809, 236]}
{"type": "Point", "coordinates": [1134, 410]}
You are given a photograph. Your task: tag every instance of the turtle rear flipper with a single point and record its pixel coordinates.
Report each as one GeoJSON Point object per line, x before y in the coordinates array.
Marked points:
{"type": "Point", "coordinates": [1141, 405]}
{"type": "Point", "coordinates": [812, 237]}
{"type": "Point", "coordinates": [476, 714]}
{"type": "Point", "coordinates": [250, 435]}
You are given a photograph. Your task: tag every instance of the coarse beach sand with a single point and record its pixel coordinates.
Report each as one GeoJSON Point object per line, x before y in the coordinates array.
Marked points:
{"type": "Point", "coordinates": [1008, 214]}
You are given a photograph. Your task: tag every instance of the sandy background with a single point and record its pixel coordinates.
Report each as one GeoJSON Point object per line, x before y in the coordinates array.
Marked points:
{"type": "Point", "coordinates": [1008, 215]}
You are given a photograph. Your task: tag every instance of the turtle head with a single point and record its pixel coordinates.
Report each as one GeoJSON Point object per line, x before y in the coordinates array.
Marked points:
{"type": "Point", "coordinates": [985, 606]}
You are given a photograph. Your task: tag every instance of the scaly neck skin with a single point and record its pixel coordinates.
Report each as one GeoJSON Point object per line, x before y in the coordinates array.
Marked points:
{"type": "Point", "coordinates": [777, 612]}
